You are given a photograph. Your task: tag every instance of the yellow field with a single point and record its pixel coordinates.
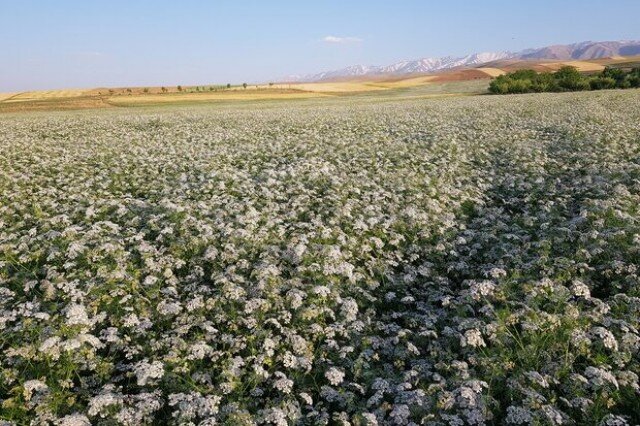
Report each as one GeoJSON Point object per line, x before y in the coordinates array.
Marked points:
{"type": "Point", "coordinates": [356, 86]}
{"type": "Point", "coordinates": [492, 72]}
{"type": "Point", "coordinates": [585, 66]}
{"type": "Point", "coordinates": [4, 96]}
{"type": "Point", "coordinates": [332, 87]}
{"type": "Point", "coordinates": [48, 94]}
{"type": "Point", "coordinates": [216, 96]}
{"type": "Point", "coordinates": [406, 82]}
{"type": "Point", "coordinates": [582, 66]}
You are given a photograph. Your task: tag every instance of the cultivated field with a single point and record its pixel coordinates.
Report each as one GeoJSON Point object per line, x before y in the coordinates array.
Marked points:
{"type": "Point", "coordinates": [455, 82]}
{"type": "Point", "coordinates": [335, 261]}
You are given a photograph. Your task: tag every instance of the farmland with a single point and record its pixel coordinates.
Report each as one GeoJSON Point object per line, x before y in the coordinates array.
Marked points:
{"type": "Point", "coordinates": [381, 259]}
{"type": "Point", "coordinates": [454, 82]}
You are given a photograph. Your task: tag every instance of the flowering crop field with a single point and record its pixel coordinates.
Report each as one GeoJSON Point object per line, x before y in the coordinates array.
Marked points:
{"type": "Point", "coordinates": [442, 262]}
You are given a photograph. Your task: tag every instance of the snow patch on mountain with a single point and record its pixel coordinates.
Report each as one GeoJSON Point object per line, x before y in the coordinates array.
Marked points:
{"type": "Point", "coordinates": [577, 51]}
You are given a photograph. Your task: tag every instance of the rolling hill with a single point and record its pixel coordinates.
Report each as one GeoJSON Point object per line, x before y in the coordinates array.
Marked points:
{"type": "Point", "coordinates": [587, 50]}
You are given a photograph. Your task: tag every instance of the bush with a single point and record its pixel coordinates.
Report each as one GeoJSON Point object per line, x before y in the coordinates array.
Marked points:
{"type": "Point", "coordinates": [521, 86]}
{"type": "Point", "coordinates": [566, 79]}
{"type": "Point", "coordinates": [568, 73]}
{"type": "Point", "coordinates": [570, 79]}
{"type": "Point", "coordinates": [499, 86]}
{"type": "Point", "coordinates": [574, 85]}
{"type": "Point", "coordinates": [523, 75]}
{"type": "Point", "coordinates": [617, 74]}
{"type": "Point", "coordinates": [601, 83]}
{"type": "Point", "coordinates": [624, 84]}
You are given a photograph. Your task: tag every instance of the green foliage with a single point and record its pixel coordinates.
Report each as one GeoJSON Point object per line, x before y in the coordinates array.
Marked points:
{"type": "Point", "coordinates": [566, 79]}
{"type": "Point", "coordinates": [617, 74]}
{"type": "Point", "coordinates": [568, 73]}
{"type": "Point", "coordinates": [602, 82]}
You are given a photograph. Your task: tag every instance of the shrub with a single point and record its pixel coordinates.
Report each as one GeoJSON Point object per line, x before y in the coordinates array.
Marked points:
{"type": "Point", "coordinates": [570, 79]}
{"type": "Point", "coordinates": [521, 86]}
{"type": "Point", "coordinates": [601, 83]}
{"type": "Point", "coordinates": [617, 74]}
{"type": "Point", "coordinates": [523, 75]}
{"type": "Point", "coordinates": [624, 84]}
{"type": "Point", "coordinates": [566, 79]}
{"type": "Point", "coordinates": [499, 86]}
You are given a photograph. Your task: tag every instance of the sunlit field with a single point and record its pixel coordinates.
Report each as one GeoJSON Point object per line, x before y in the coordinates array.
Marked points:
{"type": "Point", "coordinates": [451, 261]}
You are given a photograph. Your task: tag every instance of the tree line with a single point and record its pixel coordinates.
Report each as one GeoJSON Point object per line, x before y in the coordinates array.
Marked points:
{"type": "Point", "coordinates": [566, 79]}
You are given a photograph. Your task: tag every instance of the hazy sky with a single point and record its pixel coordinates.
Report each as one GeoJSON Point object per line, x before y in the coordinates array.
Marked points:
{"type": "Point", "coordinates": [50, 44]}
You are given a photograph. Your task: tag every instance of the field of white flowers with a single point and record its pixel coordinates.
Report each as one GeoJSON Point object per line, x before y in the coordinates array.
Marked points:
{"type": "Point", "coordinates": [443, 262]}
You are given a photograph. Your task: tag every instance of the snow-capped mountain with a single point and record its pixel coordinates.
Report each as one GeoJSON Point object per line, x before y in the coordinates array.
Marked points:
{"type": "Point", "coordinates": [424, 65]}
{"type": "Point", "coordinates": [352, 71]}
{"type": "Point", "coordinates": [578, 51]}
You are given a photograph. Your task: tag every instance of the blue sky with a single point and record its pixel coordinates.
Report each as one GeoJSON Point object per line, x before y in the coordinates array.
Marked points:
{"type": "Point", "coordinates": [47, 44]}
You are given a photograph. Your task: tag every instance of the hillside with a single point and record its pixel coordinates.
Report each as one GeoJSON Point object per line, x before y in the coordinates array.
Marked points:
{"type": "Point", "coordinates": [583, 51]}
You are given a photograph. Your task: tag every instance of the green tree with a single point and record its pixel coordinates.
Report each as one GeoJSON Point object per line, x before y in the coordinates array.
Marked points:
{"type": "Point", "coordinates": [601, 83]}
{"type": "Point", "coordinates": [617, 74]}
{"type": "Point", "coordinates": [565, 79]}
{"type": "Point", "coordinates": [570, 79]}
{"type": "Point", "coordinates": [634, 77]}
{"type": "Point", "coordinates": [567, 72]}
{"type": "Point", "coordinates": [523, 75]}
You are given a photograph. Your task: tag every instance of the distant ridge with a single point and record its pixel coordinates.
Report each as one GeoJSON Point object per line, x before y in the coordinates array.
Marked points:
{"type": "Point", "coordinates": [578, 51]}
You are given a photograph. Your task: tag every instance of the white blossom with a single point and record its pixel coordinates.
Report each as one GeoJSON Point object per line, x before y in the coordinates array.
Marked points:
{"type": "Point", "coordinates": [334, 375]}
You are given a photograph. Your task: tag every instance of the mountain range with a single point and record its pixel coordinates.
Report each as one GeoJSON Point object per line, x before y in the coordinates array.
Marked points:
{"type": "Point", "coordinates": [577, 51]}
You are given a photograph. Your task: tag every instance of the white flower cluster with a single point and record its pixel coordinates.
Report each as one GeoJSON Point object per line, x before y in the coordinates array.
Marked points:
{"type": "Point", "coordinates": [467, 261]}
